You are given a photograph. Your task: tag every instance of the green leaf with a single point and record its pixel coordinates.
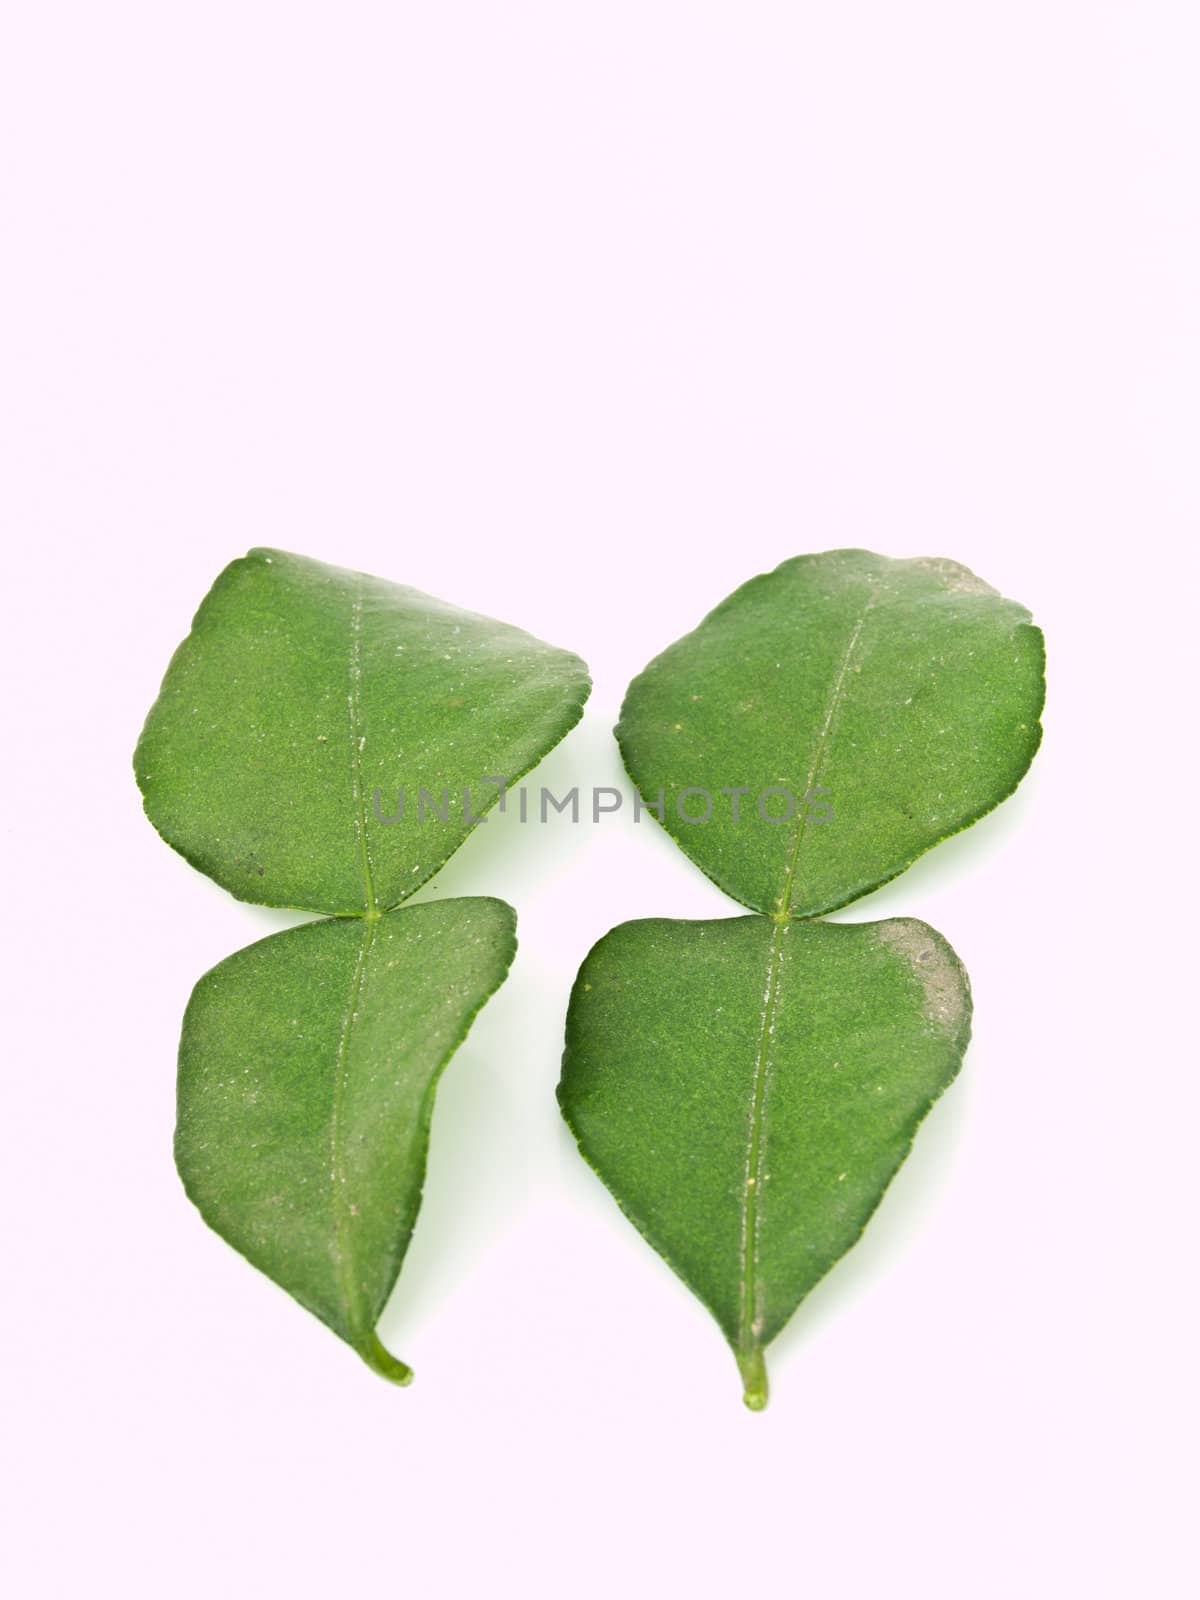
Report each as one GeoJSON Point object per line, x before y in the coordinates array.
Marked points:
{"type": "Point", "coordinates": [300, 691]}
{"type": "Point", "coordinates": [747, 1088]}
{"type": "Point", "coordinates": [326, 740]}
{"type": "Point", "coordinates": [908, 691]}
{"type": "Point", "coordinates": [307, 1071]}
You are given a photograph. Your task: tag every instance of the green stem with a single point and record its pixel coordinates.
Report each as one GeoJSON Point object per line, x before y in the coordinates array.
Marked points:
{"type": "Point", "coordinates": [382, 1361]}
{"type": "Point", "coordinates": [754, 1377]}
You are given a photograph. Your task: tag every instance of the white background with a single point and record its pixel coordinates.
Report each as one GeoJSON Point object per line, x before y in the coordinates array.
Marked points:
{"type": "Point", "coordinates": [579, 315]}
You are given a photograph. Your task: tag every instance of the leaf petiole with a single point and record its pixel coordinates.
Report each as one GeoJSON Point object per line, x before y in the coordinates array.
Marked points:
{"type": "Point", "coordinates": [754, 1378]}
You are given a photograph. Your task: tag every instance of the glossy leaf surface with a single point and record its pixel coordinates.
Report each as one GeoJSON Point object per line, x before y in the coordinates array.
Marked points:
{"type": "Point", "coordinates": [747, 1088]}
{"type": "Point", "coordinates": [303, 689]}
{"type": "Point", "coordinates": [907, 692]}
{"type": "Point", "coordinates": [307, 1070]}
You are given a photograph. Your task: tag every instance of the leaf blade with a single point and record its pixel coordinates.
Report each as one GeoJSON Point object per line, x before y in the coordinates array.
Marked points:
{"type": "Point", "coordinates": [910, 691]}
{"type": "Point", "coordinates": [746, 1089]}
{"type": "Point", "coordinates": [301, 690]}
{"type": "Point", "coordinates": [307, 1070]}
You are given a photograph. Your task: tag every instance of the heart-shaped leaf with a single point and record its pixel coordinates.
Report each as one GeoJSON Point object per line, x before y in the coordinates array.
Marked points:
{"type": "Point", "coordinates": [306, 698]}
{"type": "Point", "coordinates": [901, 697]}
{"type": "Point", "coordinates": [747, 1088]}
{"type": "Point", "coordinates": [307, 1070]}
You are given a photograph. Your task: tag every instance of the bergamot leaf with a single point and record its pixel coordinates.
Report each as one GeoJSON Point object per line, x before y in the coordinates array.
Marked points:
{"type": "Point", "coordinates": [747, 1089]}
{"type": "Point", "coordinates": [307, 1069]}
{"type": "Point", "coordinates": [901, 697]}
{"type": "Point", "coordinates": [303, 701]}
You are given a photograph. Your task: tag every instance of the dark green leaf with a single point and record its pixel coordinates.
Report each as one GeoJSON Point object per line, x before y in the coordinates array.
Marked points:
{"type": "Point", "coordinates": [747, 1088]}
{"type": "Point", "coordinates": [908, 691]}
{"type": "Point", "coordinates": [307, 1070]}
{"type": "Point", "coordinates": [300, 691]}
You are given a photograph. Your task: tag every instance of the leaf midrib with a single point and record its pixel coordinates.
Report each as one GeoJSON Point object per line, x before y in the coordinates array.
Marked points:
{"type": "Point", "coordinates": [750, 1314]}
{"type": "Point", "coordinates": [816, 768]}
{"type": "Point", "coordinates": [357, 1326]}
{"type": "Point", "coordinates": [749, 1320]}
{"type": "Point", "coordinates": [357, 737]}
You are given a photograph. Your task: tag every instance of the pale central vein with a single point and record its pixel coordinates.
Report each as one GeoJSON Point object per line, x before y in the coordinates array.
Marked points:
{"type": "Point", "coordinates": [836, 696]}
{"type": "Point", "coordinates": [350, 1289]}
{"type": "Point", "coordinates": [750, 1318]}
{"type": "Point", "coordinates": [358, 741]}
{"type": "Point", "coordinates": [751, 1310]}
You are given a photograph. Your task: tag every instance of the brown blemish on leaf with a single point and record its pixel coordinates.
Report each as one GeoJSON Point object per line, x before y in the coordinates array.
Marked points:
{"type": "Point", "coordinates": [940, 974]}
{"type": "Point", "coordinates": [955, 577]}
